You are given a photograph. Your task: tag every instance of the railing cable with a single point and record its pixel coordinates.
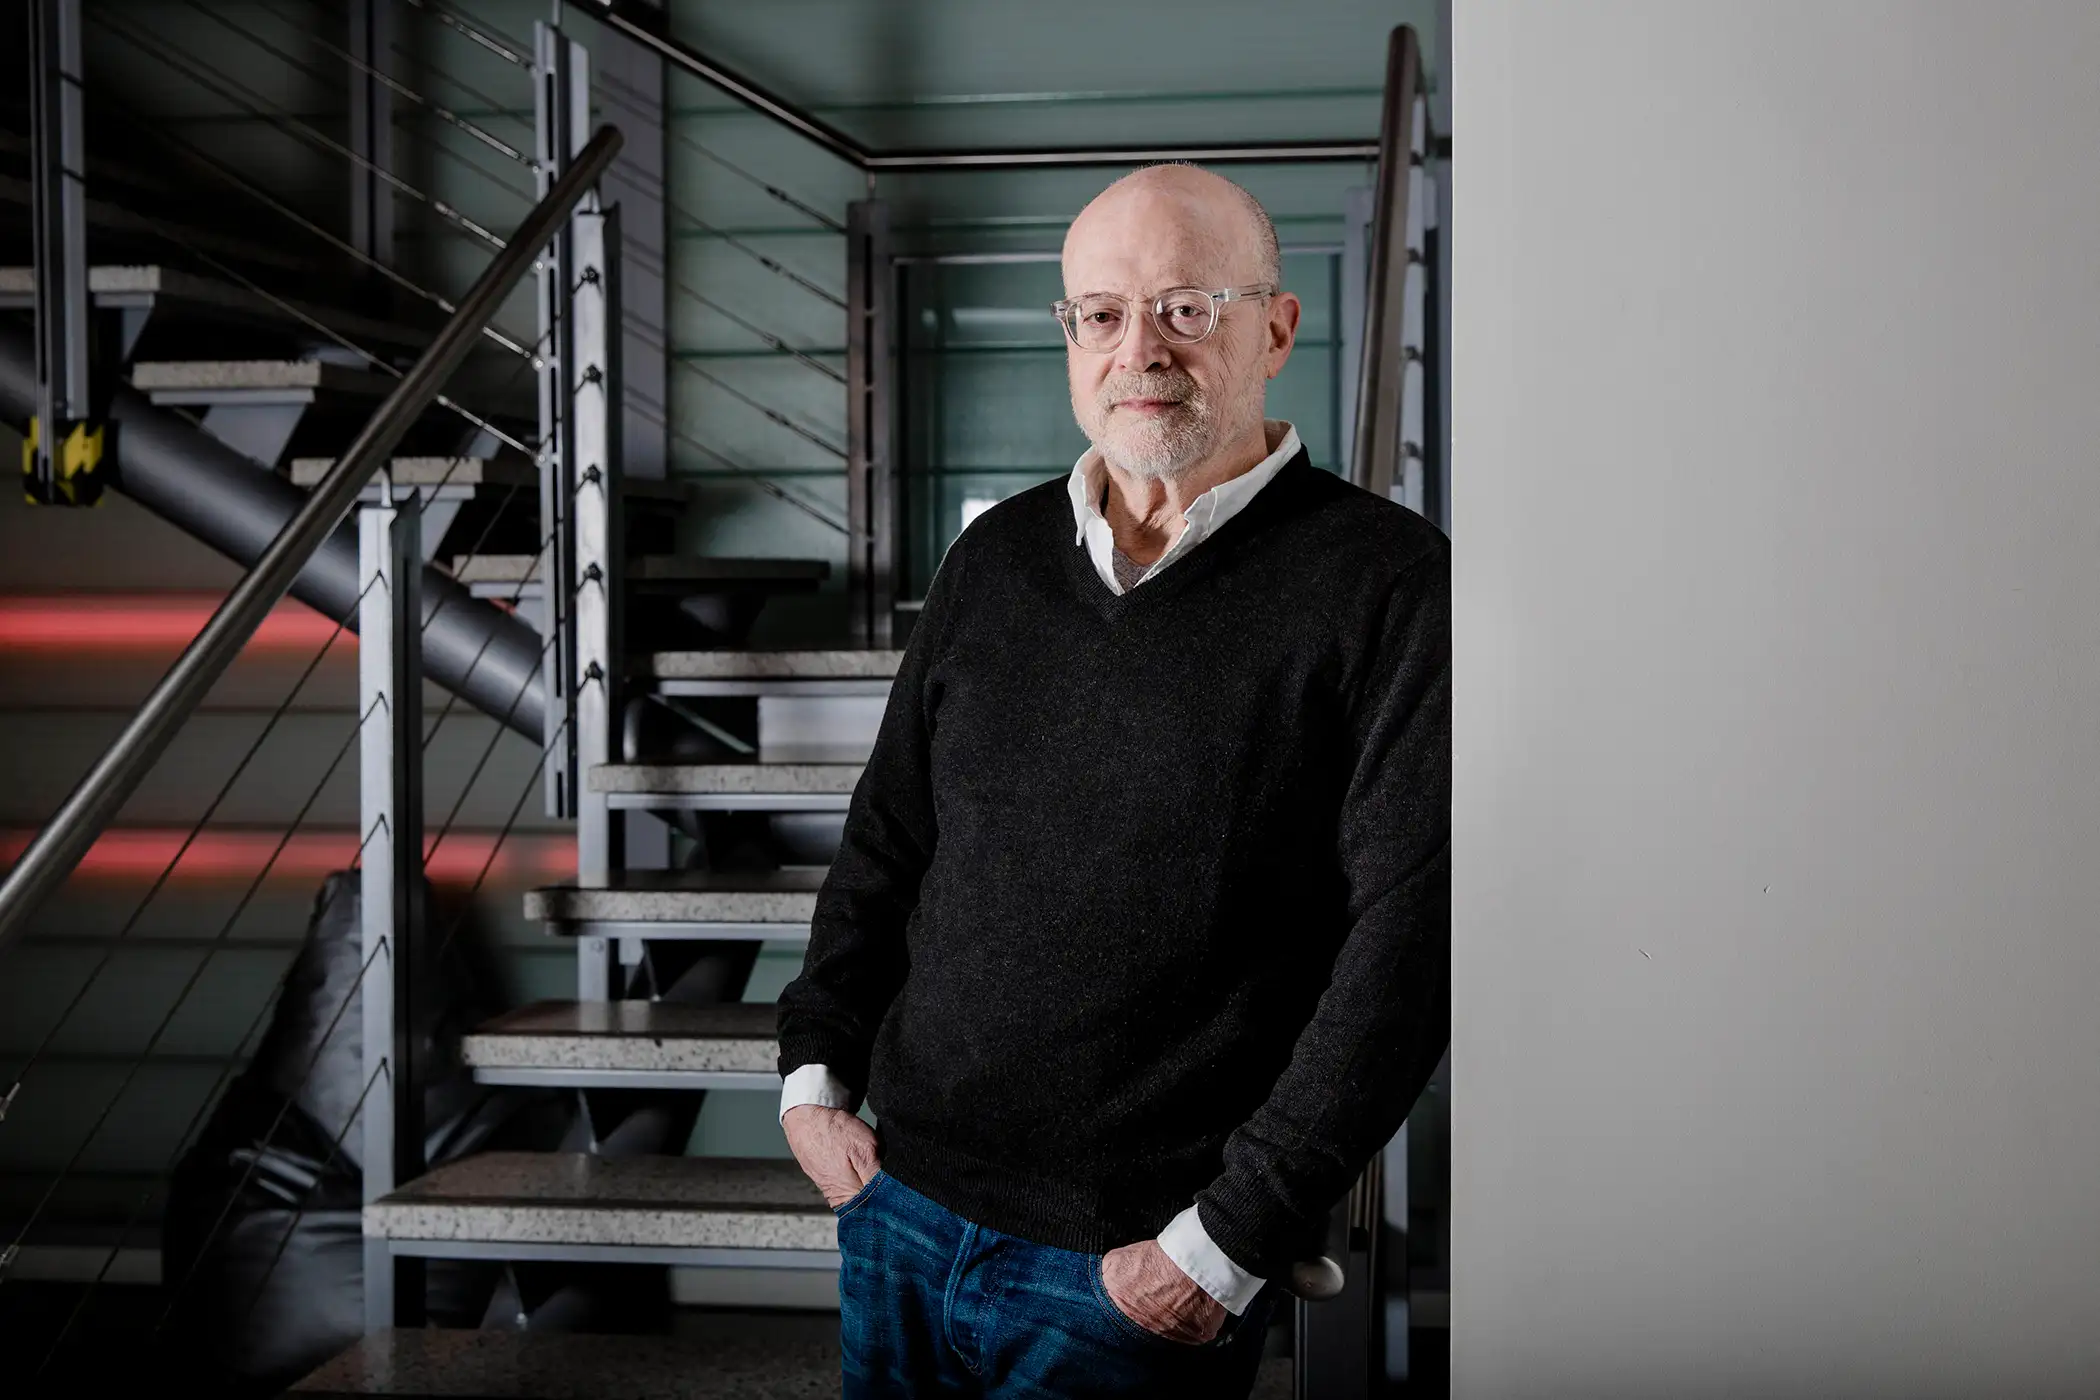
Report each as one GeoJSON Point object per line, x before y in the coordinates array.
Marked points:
{"type": "Point", "coordinates": [190, 152]}
{"type": "Point", "coordinates": [496, 42]}
{"type": "Point", "coordinates": [437, 109]}
{"type": "Point", "coordinates": [174, 56]}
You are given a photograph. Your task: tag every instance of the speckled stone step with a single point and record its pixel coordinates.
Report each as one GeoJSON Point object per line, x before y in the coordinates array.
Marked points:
{"type": "Point", "coordinates": [429, 471]}
{"type": "Point", "coordinates": [835, 779]}
{"type": "Point", "coordinates": [556, 1201]}
{"type": "Point", "coordinates": [757, 1359]}
{"type": "Point", "coordinates": [690, 569]}
{"type": "Point", "coordinates": [630, 1037]}
{"type": "Point", "coordinates": [682, 896]}
{"type": "Point", "coordinates": [728, 787]}
{"type": "Point", "coordinates": [174, 381]}
{"type": "Point", "coordinates": [771, 665]}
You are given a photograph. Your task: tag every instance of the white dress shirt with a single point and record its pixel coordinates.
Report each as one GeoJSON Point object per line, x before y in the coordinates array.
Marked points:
{"type": "Point", "coordinates": [1184, 1240]}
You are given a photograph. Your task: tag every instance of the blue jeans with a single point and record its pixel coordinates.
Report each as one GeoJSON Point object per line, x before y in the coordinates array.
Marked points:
{"type": "Point", "coordinates": [930, 1304]}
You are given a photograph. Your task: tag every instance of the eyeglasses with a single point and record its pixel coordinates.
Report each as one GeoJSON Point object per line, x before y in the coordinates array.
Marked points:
{"type": "Point", "coordinates": [1098, 321]}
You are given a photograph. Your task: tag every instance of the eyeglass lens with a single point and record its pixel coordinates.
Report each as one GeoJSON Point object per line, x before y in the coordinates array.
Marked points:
{"type": "Point", "coordinates": [1183, 316]}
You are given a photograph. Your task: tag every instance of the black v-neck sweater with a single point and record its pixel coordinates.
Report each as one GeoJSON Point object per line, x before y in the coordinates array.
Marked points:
{"type": "Point", "coordinates": [1145, 899]}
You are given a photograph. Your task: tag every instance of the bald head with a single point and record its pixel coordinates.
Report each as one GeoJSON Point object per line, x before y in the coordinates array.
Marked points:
{"type": "Point", "coordinates": [1178, 213]}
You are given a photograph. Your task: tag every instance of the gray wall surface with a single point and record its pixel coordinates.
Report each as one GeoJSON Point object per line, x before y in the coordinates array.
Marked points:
{"type": "Point", "coordinates": [1777, 1066]}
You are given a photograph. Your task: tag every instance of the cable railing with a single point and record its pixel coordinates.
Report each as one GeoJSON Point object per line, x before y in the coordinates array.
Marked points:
{"type": "Point", "coordinates": [255, 105]}
{"type": "Point", "coordinates": [61, 843]}
{"type": "Point", "coordinates": [36, 872]}
{"type": "Point", "coordinates": [264, 1146]}
{"type": "Point", "coordinates": [91, 807]}
{"type": "Point", "coordinates": [582, 168]}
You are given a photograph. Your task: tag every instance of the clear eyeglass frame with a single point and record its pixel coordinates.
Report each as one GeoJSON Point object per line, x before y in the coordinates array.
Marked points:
{"type": "Point", "coordinates": [1070, 310]}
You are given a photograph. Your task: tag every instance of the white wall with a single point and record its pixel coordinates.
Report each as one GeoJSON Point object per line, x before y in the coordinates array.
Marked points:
{"type": "Point", "coordinates": [1777, 1066]}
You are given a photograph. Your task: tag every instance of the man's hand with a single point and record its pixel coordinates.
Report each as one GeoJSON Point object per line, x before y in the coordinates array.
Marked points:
{"type": "Point", "coordinates": [836, 1150]}
{"type": "Point", "coordinates": [1154, 1293]}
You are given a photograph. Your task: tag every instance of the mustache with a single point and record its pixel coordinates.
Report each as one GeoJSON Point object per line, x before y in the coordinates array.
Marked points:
{"type": "Point", "coordinates": [1171, 386]}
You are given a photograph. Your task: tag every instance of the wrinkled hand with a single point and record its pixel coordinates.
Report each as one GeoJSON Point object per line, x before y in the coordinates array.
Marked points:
{"type": "Point", "coordinates": [1154, 1293]}
{"type": "Point", "coordinates": [835, 1149]}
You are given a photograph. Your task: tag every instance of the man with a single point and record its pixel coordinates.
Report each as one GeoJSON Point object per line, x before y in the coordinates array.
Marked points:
{"type": "Point", "coordinates": [1137, 941]}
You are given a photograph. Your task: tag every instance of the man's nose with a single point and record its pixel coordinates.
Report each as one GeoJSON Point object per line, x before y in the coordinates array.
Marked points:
{"type": "Point", "coordinates": [1143, 350]}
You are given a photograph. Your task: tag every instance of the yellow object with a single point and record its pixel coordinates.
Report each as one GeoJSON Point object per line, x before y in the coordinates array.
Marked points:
{"type": "Point", "coordinates": [79, 464]}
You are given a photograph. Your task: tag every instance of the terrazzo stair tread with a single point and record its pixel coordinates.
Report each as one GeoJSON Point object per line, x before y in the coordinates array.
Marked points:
{"type": "Point", "coordinates": [756, 1362]}
{"type": "Point", "coordinates": [481, 471]}
{"type": "Point", "coordinates": [740, 778]}
{"type": "Point", "coordinates": [172, 376]}
{"type": "Point", "coordinates": [864, 664]}
{"type": "Point", "coordinates": [573, 1198]}
{"type": "Point", "coordinates": [682, 896]}
{"type": "Point", "coordinates": [654, 568]}
{"type": "Point", "coordinates": [729, 1037]}
{"type": "Point", "coordinates": [429, 471]}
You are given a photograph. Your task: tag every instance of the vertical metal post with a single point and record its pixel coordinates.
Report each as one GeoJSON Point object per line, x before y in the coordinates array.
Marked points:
{"type": "Point", "coordinates": [372, 129]}
{"type": "Point", "coordinates": [1336, 1339]}
{"type": "Point", "coordinates": [596, 513]}
{"type": "Point", "coordinates": [1415, 486]}
{"type": "Point", "coordinates": [561, 106]}
{"type": "Point", "coordinates": [579, 487]}
{"type": "Point", "coordinates": [65, 445]}
{"type": "Point", "coordinates": [636, 184]}
{"type": "Point", "coordinates": [1394, 1300]}
{"type": "Point", "coordinates": [1440, 268]}
{"type": "Point", "coordinates": [871, 500]}
{"type": "Point", "coordinates": [391, 905]}
{"type": "Point", "coordinates": [1358, 223]}
{"type": "Point", "coordinates": [1429, 363]}
{"type": "Point", "coordinates": [1375, 459]}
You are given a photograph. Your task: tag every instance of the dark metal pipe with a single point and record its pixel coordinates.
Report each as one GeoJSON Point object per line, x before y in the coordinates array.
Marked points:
{"type": "Point", "coordinates": [312, 527]}
{"type": "Point", "coordinates": [189, 478]}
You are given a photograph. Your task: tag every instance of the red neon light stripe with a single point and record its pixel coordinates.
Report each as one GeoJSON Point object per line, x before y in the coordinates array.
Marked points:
{"type": "Point", "coordinates": [141, 853]}
{"type": "Point", "coordinates": [148, 622]}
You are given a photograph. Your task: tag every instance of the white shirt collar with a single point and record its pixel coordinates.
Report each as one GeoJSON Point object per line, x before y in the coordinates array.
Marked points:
{"type": "Point", "coordinates": [1204, 514]}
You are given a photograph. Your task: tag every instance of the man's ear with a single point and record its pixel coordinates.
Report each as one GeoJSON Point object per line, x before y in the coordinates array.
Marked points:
{"type": "Point", "coordinates": [1284, 310]}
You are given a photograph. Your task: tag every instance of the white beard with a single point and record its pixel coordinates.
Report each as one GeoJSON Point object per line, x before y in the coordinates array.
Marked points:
{"type": "Point", "coordinates": [1168, 444]}
{"type": "Point", "coordinates": [1164, 446]}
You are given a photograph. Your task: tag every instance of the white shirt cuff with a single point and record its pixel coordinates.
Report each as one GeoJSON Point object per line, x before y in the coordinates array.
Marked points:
{"type": "Point", "coordinates": [1188, 1244]}
{"type": "Point", "coordinates": [815, 1084]}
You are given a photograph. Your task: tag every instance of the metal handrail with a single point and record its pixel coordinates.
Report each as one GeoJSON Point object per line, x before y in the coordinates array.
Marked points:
{"type": "Point", "coordinates": [59, 847]}
{"type": "Point", "coordinates": [648, 26]}
{"type": "Point", "coordinates": [1377, 448]}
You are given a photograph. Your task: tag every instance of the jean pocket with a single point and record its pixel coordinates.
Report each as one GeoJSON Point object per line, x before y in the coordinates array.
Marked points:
{"type": "Point", "coordinates": [858, 1198]}
{"type": "Point", "coordinates": [1131, 1327]}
